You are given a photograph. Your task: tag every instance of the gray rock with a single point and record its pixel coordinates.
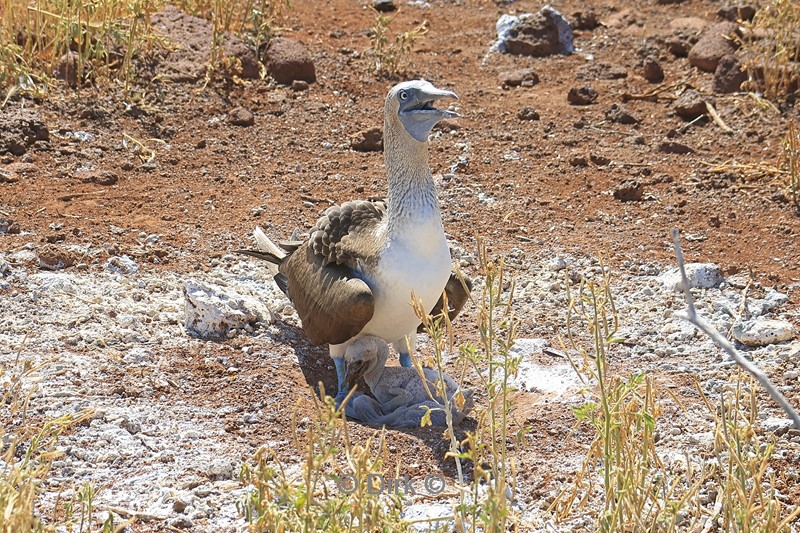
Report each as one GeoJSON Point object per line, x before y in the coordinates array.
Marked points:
{"type": "Point", "coordinates": [288, 60]}
{"type": "Point", "coordinates": [425, 516]}
{"type": "Point", "coordinates": [539, 34]}
{"type": "Point", "coordinates": [555, 264]}
{"type": "Point", "coordinates": [763, 331]}
{"type": "Point", "coordinates": [716, 43]}
{"type": "Point", "coordinates": [700, 276]}
{"type": "Point", "coordinates": [211, 312]}
{"type": "Point", "coordinates": [689, 105]}
{"type": "Point", "coordinates": [729, 75]}
{"type": "Point", "coordinates": [220, 469]}
{"type": "Point", "coordinates": [370, 140]}
{"type": "Point", "coordinates": [771, 301]}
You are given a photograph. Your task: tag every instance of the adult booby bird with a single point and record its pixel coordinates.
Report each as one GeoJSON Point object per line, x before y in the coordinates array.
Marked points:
{"type": "Point", "coordinates": [355, 274]}
{"type": "Point", "coordinates": [400, 393]}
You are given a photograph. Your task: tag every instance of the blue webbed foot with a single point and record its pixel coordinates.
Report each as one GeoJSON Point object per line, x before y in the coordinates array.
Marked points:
{"type": "Point", "coordinates": [405, 360]}
{"type": "Point", "coordinates": [341, 367]}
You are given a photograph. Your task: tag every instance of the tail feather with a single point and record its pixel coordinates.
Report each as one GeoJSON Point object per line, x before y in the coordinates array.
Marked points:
{"type": "Point", "coordinates": [266, 245]}
{"type": "Point", "coordinates": [266, 256]}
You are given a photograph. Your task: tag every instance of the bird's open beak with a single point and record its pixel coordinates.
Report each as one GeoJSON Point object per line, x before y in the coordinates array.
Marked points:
{"type": "Point", "coordinates": [419, 116]}
{"type": "Point", "coordinates": [353, 373]}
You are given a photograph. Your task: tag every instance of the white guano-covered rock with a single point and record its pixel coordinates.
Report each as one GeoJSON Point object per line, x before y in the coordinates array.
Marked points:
{"type": "Point", "coordinates": [700, 276]}
{"type": "Point", "coordinates": [763, 331]}
{"type": "Point", "coordinates": [212, 312]}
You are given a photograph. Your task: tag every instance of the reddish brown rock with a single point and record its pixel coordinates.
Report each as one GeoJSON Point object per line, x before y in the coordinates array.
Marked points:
{"type": "Point", "coordinates": [729, 76]}
{"type": "Point", "coordinates": [288, 60]}
{"type": "Point", "coordinates": [584, 95]}
{"type": "Point", "coordinates": [188, 58]}
{"type": "Point", "coordinates": [652, 71]}
{"type": "Point", "coordinates": [716, 43]}
{"type": "Point", "coordinates": [370, 140]}
{"type": "Point", "coordinates": [67, 68]}
{"type": "Point", "coordinates": [525, 77]}
{"type": "Point", "coordinates": [240, 116]}
{"type": "Point", "coordinates": [689, 105]}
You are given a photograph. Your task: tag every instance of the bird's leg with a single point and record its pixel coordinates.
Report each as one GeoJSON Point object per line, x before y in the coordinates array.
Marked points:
{"type": "Point", "coordinates": [337, 354]}
{"type": "Point", "coordinates": [404, 347]}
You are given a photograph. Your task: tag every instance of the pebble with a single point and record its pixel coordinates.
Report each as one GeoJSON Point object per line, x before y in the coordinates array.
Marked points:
{"type": "Point", "coordinates": [525, 77]}
{"type": "Point", "coordinates": [629, 191]}
{"type": "Point", "coordinates": [652, 70]}
{"type": "Point", "coordinates": [239, 116]}
{"type": "Point", "coordinates": [583, 95]}
{"type": "Point", "coordinates": [689, 105]}
{"type": "Point", "coordinates": [384, 6]}
{"type": "Point", "coordinates": [528, 113]}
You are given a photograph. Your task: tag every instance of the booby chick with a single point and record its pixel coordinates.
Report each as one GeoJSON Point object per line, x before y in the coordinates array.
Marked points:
{"type": "Point", "coordinates": [355, 274]}
{"type": "Point", "coordinates": [402, 398]}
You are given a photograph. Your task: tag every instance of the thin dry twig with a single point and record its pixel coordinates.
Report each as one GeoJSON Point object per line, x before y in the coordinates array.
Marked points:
{"type": "Point", "coordinates": [712, 112]}
{"type": "Point", "coordinates": [722, 342]}
{"type": "Point", "coordinates": [654, 94]}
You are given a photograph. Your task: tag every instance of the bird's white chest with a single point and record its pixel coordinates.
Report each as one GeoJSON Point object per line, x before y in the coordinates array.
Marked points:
{"type": "Point", "coordinates": [418, 261]}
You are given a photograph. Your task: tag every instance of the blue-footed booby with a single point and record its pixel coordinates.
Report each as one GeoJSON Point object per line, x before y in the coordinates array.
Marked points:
{"type": "Point", "coordinates": [356, 273]}
{"type": "Point", "coordinates": [400, 392]}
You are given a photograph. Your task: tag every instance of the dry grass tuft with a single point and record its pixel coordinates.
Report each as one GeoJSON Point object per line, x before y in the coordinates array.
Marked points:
{"type": "Point", "coordinates": [772, 50]}
{"type": "Point", "coordinates": [388, 58]}
{"type": "Point", "coordinates": [88, 41]}
{"type": "Point", "coordinates": [29, 450]}
{"type": "Point", "coordinates": [730, 487]}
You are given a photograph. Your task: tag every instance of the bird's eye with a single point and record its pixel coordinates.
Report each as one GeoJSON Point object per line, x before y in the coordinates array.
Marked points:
{"type": "Point", "coordinates": [403, 96]}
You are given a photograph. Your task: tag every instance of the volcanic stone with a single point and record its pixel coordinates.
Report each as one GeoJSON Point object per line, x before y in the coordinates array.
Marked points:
{"type": "Point", "coordinates": [729, 76]}
{"type": "Point", "coordinates": [716, 43]}
{"type": "Point", "coordinates": [288, 60]}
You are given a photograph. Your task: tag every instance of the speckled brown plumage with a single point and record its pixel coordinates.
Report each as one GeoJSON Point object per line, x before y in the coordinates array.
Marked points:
{"type": "Point", "coordinates": [339, 235]}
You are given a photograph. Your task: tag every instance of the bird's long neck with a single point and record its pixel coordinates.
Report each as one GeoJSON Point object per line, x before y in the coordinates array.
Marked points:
{"type": "Point", "coordinates": [376, 366]}
{"type": "Point", "coordinates": [412, 193]}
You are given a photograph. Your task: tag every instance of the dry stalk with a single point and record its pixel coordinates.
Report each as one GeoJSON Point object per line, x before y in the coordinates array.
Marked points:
{"type": "Point", "coordinates": [692, 316]}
